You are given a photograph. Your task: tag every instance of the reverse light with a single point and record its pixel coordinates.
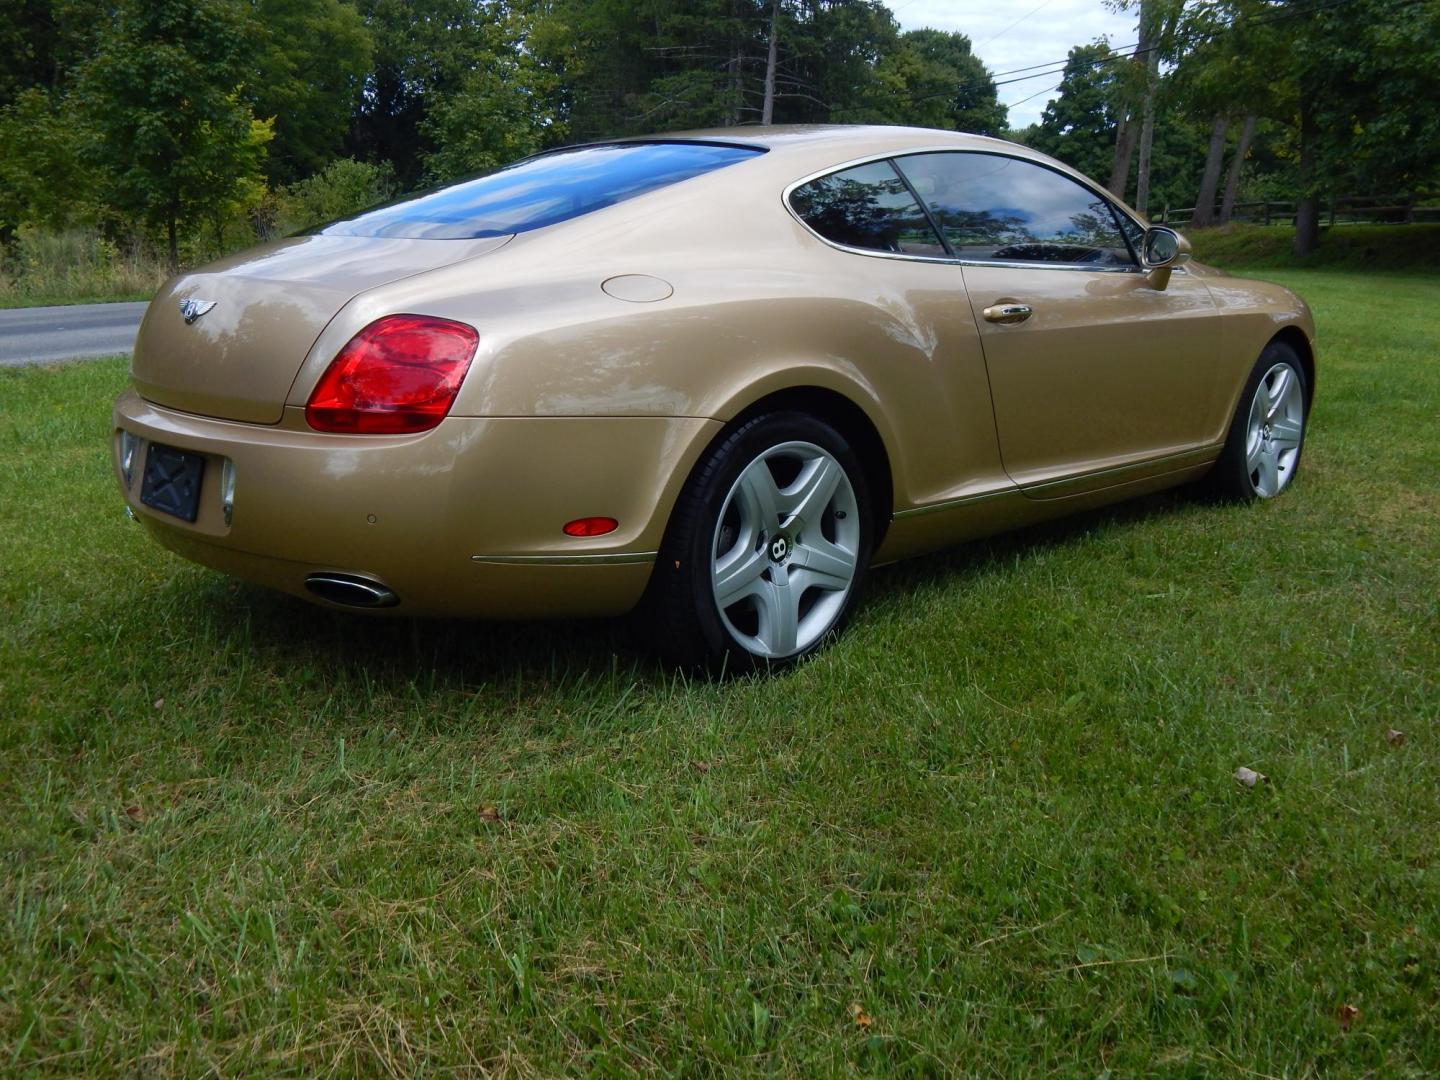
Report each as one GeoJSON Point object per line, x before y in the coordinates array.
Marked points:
{"type": "Point", "coordinates": [591, 526]}
{"type": "Point", "coordinates": [128, 445]}
{"type": "Point", "coordinates": [227, 490]}
{"type": "Point", "coordinates": [397, 376]}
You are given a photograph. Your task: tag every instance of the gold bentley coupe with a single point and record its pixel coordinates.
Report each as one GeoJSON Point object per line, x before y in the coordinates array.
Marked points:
{"type": "Point", "coordinates": [714, 376]}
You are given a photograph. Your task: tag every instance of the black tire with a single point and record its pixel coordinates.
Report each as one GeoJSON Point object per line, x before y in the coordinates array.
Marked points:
{"type": "Point", "coordinates": [682, 614]}
{"type": "Point", "coordinates": [1233, 479]}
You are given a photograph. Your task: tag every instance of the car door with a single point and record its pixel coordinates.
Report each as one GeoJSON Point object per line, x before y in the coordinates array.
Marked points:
{"type": "Point", "coordinates": [1096, 375]}
{"type": "Point", "coordinates": [922, 356]}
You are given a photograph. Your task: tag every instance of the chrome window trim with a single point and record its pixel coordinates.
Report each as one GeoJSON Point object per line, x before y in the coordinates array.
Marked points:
{"type": "Point", "coordinates": [946, 259]}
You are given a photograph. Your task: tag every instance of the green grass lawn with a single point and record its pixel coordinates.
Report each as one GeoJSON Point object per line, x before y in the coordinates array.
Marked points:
{"type": "Point", "coordinates": [242, 835]}
{"type": "Point", "coordinates": [1403, 248]}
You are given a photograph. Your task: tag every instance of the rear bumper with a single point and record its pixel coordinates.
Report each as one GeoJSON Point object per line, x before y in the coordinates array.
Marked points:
{"type": "Point", "coordinates": [464, 520]}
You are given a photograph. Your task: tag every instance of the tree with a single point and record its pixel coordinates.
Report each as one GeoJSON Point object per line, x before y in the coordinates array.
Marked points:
{"type": "Point", "coordinates": [939, 82]}
{"type": "Point", "coordinates": [310, 97]}
{"type": "Point", "coordinates": [164, 94]}
{"type": "Point", "coordinates": [342, 188]}
{"type": "Point", "coordinates": [1080, 125]}
{"type": "Point", "coordinates": [1158, 23]}
{"type": "Point", "coordinates": [43, 177]}
{"type": "Point", "coordinates": [503, 109]}
{"type": "Point", "coordinates": [1223, 52]}
{"type": "Point", "coordinates": [423, 52]}
{"type": "Point", "coordinates": [1368, 116]}
{"type": "Point", "coordinates": [1237, 163]}
{"type": "Point", "coordinates": [42, 41]}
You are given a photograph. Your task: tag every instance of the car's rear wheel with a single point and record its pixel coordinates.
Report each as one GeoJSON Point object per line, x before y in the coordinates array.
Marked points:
{"type": "Point", "coordinates": [767, 549]}
{"type": "Point", "coordinates": [1267, 433]}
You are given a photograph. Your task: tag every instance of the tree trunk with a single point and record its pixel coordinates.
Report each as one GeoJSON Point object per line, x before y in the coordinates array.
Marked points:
{"type": "Point", "coordinates": [1232, 180]}
{"type": "Point", "coordinates": [1307, 214]}
{"type": "Point", "coordinates": [1151, 51]}
{"type": "Point", "coordinates": [767, 113]}
{"type": "Point", "coordinates": [1125, 138]}
{"type": "Point", "coordinates": [1210, 179]}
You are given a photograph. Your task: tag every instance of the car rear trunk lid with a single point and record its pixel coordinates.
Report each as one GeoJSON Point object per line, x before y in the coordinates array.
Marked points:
{"type": "Point", "coordinates": [227, 340]}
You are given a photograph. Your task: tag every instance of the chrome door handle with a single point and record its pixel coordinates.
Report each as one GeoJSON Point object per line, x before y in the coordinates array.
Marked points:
{"type": "Point", "coordinates": [1008, 313]}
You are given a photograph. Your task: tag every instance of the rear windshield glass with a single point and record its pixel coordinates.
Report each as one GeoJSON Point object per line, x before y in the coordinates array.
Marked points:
{"type": "Point", "coordinates": [541, 191]}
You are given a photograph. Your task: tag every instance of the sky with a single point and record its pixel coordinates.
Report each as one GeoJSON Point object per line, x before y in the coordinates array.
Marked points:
{"type": "Point", "coordinates": [1016, 35]}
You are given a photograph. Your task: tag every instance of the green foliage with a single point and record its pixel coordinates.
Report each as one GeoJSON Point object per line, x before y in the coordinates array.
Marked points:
{"type": "Point", "coordinates": [1343, 247]}
{"type": "Point", "coordinates": [936, 81]}
{"type": "Point", "coordinates": [423, 52]}
{"type": "Point", "coordinates": [502, 110]}
{"type": "Point", "coordinates": [1079, 125]}
{"type": "Point", "coordinates": [72, 266]}
{"type": "Point", "coordinates": [178, 144]}
{"type": "Point", "coordinates": [343, 188]}
{"type": "Point", "coordinates": [307, 75]}
{"type": "Point", "coordinates": [195, 119]}
{"type": "Point", "coordinates": [42, 41]}
{"type": "Point", "coordinates": [1366, 73]}
{"type": "Point", "coordinates": [44, 178]}
{"type": "Point", "coordinates": [835, 51]}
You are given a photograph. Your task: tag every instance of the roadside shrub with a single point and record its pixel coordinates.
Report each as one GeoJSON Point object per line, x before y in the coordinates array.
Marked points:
{"type": "Point", "coordinates": [43, 179]}
{"type": "Point", "coordinates": [342, 188]}
{"type": "Point", "coordinates": [71, 265]}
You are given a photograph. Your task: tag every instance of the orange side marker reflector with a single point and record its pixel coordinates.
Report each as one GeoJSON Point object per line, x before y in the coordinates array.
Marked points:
{"type": "Point", "coordinates": [591, 526]}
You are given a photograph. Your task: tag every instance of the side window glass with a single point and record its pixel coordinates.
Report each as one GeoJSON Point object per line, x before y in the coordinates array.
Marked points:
{"type": "Point", "coordinates": [867, 207]}
{"type": "Point", "coordinates": [1002, 208]}
{"type": "Point", "coordinates": [1133, 230]}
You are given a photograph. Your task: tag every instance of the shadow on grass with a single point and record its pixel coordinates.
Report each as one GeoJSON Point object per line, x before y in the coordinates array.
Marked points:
{"type": "Point", "coordinates": [289, 638]}
{"type": "Point", "coordinates": [955, 565]}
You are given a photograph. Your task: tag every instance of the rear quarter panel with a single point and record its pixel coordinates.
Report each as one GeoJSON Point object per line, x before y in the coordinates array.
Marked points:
{"type": "Point", "coordinates": [759, 306]}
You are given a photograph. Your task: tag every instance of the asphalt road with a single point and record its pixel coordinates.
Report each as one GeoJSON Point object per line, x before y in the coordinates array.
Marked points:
{"type": "Point", "coordinates": [39, 334]}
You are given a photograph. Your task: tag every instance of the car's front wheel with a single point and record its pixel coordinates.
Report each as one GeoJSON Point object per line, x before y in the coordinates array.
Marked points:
{"type": "Point", "coordinates": [1267, 433]}
{"type": "Point", "coordinates": [767, 548]}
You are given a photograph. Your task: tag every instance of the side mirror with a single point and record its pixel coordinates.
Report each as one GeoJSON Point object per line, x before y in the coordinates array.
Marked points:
{"type": "Point", "coordinates": [1163, 250]}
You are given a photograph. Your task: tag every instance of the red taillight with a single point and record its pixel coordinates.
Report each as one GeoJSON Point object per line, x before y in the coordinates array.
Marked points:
{"type": "Point", "coordinates": [398, 375]}
{"type": "Point", "coordinates": [591, 526]}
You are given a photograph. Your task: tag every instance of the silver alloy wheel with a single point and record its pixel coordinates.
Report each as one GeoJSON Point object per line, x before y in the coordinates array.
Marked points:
{"type": "Point", "coordinates": [786, 549]}
{"type": "Point", "coordinates": [1277, 424]}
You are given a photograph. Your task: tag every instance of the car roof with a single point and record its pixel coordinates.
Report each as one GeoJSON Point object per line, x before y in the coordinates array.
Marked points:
{"type": "Point", "coordinates": [859, 139]}
{"type": "Point", "coordinates": [797, 149]}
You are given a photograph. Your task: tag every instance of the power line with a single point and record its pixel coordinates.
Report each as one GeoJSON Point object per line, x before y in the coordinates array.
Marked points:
{"type": "Point", "coordinates": [1127, 52]}
{"type": "Point", "coordinates": [1032, 97]}
{"type": "Point", "coordinates": [1017, 22]}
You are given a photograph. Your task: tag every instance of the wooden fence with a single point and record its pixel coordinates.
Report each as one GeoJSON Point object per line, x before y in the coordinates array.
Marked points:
{"type": "Point", "coordinates": [1343, 210]}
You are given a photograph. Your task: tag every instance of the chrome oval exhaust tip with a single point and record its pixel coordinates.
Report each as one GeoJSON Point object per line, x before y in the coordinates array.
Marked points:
{"type": "Point", "coordinates": [350, 590]}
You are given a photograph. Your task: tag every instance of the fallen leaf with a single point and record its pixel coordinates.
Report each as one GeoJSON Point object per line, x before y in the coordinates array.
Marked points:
{"type": "Point", "coordinates": [135, 813]}
{"type": "Point", "coordinates": [1249, 777]}
{"type": "Point", "coordinates": [159, 703]}
{"type": "Point", "coordinates": [1395, 738]}
{"type": "Point", "coordinates": [1347, 1014]}
{"type": "Point", "coordinates": [489, 813]}
{"type": "Point", "coordinates": [700, 766]}
{"type": "Point", "coordinates": [859, 1015]}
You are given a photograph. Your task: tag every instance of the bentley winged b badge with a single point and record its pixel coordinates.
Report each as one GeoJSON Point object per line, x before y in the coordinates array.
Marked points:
{"type": "Point", "coordinates": [192, 309]}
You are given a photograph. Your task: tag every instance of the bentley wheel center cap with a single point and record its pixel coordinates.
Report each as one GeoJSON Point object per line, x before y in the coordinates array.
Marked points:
{"type": "Point", "coordinates": [779, 549]}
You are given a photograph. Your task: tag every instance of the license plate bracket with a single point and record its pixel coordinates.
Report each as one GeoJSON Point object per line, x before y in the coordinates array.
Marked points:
{"type": "Point", "coordinates": [171, 483]}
